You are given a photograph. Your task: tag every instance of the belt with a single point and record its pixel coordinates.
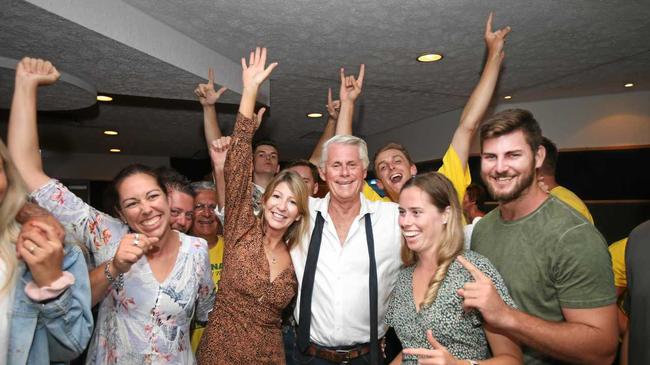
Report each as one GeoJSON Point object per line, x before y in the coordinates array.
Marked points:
{"type": "Point", "coordinates": [340, 356]}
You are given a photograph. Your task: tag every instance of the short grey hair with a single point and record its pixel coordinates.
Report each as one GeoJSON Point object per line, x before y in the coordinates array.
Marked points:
{"type": "Point", "coordinates": [202, 185]}
{"type": "Point", "coordinates": [349, 140]}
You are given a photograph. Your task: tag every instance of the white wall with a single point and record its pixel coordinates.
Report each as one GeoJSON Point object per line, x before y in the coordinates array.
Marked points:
{"type": "Point", "coordinates": [88, 166]}
{"type": "Point", "coordinates": [586, 122]}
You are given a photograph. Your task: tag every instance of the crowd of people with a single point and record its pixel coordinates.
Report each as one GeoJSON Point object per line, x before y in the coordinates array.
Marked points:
{"type": "Point", "coordinates": [251, 267]}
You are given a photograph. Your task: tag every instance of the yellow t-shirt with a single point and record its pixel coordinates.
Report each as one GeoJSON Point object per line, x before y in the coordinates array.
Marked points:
{"type": "Point", "coordinates": [617, 252]}
{"type": "Point", "coordinates": [570, 198]}
{"type": "Point", "coordinates": [216, 264]}
{"type": "Point", "coordinates": [451, 168]}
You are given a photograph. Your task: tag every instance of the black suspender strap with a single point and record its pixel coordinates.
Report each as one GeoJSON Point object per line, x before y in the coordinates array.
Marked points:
{"type": "Point", "coordinates": [373, 289]}
{"type": "Point", "coordinates": [304, 325]}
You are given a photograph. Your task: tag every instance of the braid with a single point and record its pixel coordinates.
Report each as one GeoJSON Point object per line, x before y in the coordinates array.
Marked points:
{"type": "Point", "coordinates": [436, 280]}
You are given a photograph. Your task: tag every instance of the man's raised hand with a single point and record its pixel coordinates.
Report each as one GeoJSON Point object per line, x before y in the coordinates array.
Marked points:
{"type": "Point", "coordinates": [495, 41]}
{"type": "Point", "coordinates": [206, 93]}
{"type": "Point", "coordinates": [333, 106]}
{"type": "Point", "coordinates": [351, 86]}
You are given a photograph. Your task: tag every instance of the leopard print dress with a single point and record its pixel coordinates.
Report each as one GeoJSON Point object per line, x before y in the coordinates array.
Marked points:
{"type": "Point", "coordinates": [245, 325]}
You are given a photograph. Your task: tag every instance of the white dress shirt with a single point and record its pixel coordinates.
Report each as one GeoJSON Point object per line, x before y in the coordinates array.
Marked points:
{"type": "Point", "coordinates": [468, 229]}
{"type": "Point", "coordinates": [341, 301]}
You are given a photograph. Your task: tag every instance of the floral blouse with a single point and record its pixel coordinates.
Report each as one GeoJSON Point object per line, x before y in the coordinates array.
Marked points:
{"type": "Point", "coordinates": [146, 322]}
{"type": "Point", "coordinates": [460, 332]}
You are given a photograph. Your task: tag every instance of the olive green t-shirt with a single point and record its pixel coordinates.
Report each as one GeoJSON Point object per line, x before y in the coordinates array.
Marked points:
{"type": "Point", "coordinates": [551, 259]}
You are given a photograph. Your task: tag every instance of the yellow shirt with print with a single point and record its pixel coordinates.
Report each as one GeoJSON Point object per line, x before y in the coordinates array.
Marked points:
{"type": "Point", "coordinates": [572, 200]}
{"type": "Point", "coordinates": [451, 167]}
{"type": "Point", "coordinates": [216, 264]}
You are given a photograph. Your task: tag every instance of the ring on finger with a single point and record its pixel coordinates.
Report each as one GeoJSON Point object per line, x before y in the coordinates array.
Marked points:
{"type": "Point", "coordinates": [31, 249]}
{"type": "Point", "coordinates": [136, 241]}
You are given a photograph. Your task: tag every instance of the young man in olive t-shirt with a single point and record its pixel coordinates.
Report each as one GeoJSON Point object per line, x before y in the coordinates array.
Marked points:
{"type": "Point", "coordinates": [554, 262]}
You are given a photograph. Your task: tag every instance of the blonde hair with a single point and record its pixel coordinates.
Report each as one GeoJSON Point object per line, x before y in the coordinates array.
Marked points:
{"type": "Point", "coordinates": [14, 199]}
{"type": "Point", "coordinates": [298, 229]}
{"type": "Point", "coordinates": [443, 196]}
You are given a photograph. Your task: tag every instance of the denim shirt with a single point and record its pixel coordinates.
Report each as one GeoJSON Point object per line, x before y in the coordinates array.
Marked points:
{"type": "Point", "coordinates": [57, 331]}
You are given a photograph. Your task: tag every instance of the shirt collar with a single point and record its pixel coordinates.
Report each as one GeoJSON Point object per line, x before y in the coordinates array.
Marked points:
{"type": "Point", "coordinates": [366, 206]}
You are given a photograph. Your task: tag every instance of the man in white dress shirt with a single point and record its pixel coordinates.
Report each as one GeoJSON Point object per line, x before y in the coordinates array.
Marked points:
{"type": "Point", "coordinates": [340, 326]}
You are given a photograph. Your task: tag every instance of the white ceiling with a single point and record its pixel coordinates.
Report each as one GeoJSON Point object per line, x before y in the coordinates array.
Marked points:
{"type": "Point", "coordinates": [557, 49]}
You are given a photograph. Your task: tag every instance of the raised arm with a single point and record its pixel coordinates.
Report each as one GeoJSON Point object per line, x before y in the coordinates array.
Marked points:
{"type": "Point", "coordinates": [22, 132]}
{"type": "Point", "coordinates": [98, 231]}
{"type": "Point", "coordinates": [480, 99]}
{"type": "Point", "coordinates": [208, 98]}
{"type": "Point", "coordinates": [333, 107]}
{"type": "Point", "coordinates": [239, 159]}
{"type": "Point", "coordinates": [253, 75]}
{"type": "Point", "coordinates": [348, 94]}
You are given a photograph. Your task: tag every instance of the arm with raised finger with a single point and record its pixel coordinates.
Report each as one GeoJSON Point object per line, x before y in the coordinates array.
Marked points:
{"type": "Point", "coordinates": [208, 98]}
{"type": "Point", "coordinates": [586, 336]}
{"type": "Point", "coordinates": [480, 99]}
{"type": "Point", "coordinates": [333, 108]}
{"type": "Point", "coordinates": [348, 93]}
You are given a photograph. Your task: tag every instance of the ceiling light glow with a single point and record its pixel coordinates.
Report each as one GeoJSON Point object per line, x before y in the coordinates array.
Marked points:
{"type": "Point", "coordinates": [111, 133]}
{"type": "Point", "coordinates": [115, 150]}
{"type": "Point", "coordinates": [104, 98]}
{"type": "Point", "coordinates": [508, 97]}
{"type": "Point", "coordinates": [430, 57]}
{"type": "Point", "coordinates": [314, 115]}
{"type": "Point", "coordinates": [629, 84]}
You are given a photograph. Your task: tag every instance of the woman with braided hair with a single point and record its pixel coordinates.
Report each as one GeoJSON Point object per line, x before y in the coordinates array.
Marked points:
{"type": "Point", "coordinates": [426, 310]}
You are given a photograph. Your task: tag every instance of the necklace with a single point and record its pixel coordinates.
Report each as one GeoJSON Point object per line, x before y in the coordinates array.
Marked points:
{"type": "Point", "coordinates": [270, 255]}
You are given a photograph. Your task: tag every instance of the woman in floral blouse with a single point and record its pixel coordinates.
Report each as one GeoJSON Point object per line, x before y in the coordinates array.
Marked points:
{"type": "Point", "coordinates": [149, 278]}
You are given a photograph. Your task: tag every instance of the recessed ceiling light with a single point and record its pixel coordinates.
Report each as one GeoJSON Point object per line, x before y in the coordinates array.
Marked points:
{"type": "Point", "coordinates": [115, 150]}
{"type": "Point", "coordinates": [508, 97]}
{"type": "Point", "coordinates": [629, 84]}
{"type": "Point", "coordinates": [314, 115]}
{"type": "Point", "coordinates": [111, 133]}
{"type": "Point", "coordinates": [104, 98]}
{"type": "Point", "coordinates": [430, 57]}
